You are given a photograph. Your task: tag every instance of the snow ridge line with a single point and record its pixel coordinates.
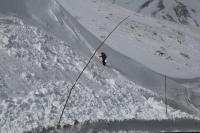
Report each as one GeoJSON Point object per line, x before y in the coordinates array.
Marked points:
{"type": "Point", "coordinates": [87, 66]}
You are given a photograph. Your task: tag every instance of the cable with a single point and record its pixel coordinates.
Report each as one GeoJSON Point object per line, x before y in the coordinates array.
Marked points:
{"type": "Point", "coordinates": [58, 125]}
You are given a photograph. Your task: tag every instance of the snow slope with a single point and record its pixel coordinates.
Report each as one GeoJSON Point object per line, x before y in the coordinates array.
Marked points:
{"type": "Point", "coordinates": [164, 47]}
{"type": "Point", "coordinates": [159, 45]}
{"type": "Point", "coordinates": [178, 11]}
{"type": "Point", "coordinates": [44, 14]}
{"type": "Point", "coordinates": [37, 72]}
{"type": "Point", "coordinates": [38, 68]}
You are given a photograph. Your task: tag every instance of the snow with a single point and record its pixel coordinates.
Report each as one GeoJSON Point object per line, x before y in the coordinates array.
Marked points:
{"type": "Point", "coordinates": [42, 85]}
{"type": "Point", "coordinates": [166, 10]}
{"type": "Point", "coordinates": [40, 62]}
{"type": "Point", "coordinates": [140, 37]}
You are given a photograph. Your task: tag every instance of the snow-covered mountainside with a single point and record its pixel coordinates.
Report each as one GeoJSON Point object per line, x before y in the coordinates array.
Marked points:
{"type": "Point", "coordinates": [43, 48]}
{"type": "Point", "coordinates": [179, 11]}
{"type": "Point", "coordinates": [46, 14]}
{"type": "Point", "coordinates": [37, 71]}
{"type": "Point", "coordinates": [166, 48]}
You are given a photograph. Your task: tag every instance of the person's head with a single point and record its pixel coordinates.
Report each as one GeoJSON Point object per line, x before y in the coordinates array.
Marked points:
{"type": "Point", "coordinates": [102, 53]}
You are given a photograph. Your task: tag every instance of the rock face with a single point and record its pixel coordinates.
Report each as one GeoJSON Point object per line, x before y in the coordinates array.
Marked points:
{"type": "Point", "coordinates": [179, 11]}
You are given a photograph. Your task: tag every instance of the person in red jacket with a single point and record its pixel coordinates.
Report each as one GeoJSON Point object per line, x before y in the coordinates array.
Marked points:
{"type": "Point", "coordinates": [103, 58]}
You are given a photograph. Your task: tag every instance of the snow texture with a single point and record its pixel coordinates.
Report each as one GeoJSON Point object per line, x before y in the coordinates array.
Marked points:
{"type": "Point", "coordinates": [42, 52]}
{"type": "Point", "coordinates": [164, 47]}
{"type": "Point", "coordinates": [37, 72]}
{"type": "Point", "coordinates": [178, 11]}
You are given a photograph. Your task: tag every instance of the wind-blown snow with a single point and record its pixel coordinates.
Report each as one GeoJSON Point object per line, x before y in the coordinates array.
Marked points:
{"type": "Point", "coordinates": [37, 70]}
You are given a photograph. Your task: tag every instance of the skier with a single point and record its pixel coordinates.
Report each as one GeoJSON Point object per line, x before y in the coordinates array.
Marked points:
{"type": "Point", "coordinates": [103, 56]}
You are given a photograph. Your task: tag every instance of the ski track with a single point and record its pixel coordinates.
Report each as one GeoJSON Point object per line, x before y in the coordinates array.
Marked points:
{"type": "Point", "coordinates": [41, 69]}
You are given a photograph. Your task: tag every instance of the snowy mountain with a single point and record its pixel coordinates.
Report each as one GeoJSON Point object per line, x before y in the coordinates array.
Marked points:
{"type": "Point", "coordinates": [37, 70]}
{"type": "Point", "coordinates": [161, 46]}
{"type": "Point", "coordinates": [179, 11]}
{"type": "Point", "coordinates": [45, 44]}
{"type": "Point", "coordinates": [164, 47]}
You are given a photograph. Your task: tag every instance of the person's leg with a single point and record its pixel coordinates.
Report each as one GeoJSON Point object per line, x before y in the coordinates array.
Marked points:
{"type": "Point", "coordinates": [104, 62]}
